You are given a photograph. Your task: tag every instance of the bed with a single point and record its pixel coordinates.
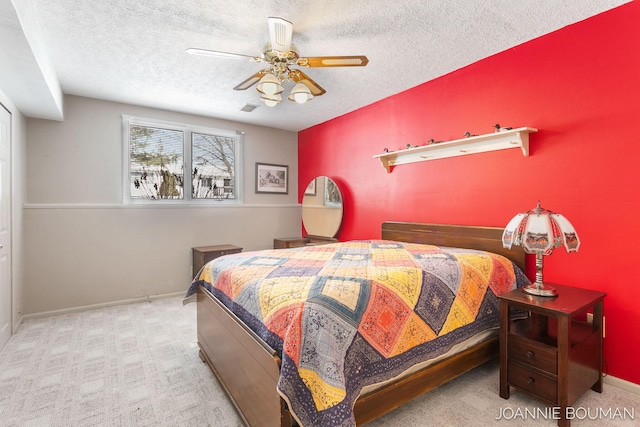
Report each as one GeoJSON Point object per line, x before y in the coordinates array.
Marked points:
{"type": "Point", "coordinates": [250, 370]}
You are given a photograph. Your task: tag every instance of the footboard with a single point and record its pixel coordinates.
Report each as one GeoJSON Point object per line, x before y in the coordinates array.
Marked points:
{"type": "Point", "coordinates": [244, 364]}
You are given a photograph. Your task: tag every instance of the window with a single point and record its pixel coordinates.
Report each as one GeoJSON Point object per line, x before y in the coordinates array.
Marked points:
{"type": "Point", "coordinates": [158, 153]}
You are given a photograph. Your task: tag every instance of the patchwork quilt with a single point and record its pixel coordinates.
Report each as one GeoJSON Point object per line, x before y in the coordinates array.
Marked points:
{"type": "Point", "coordinates": [346, 315]}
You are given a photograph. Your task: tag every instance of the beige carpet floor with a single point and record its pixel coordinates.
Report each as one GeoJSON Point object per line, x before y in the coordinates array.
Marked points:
{"type": "Point", "coordinates": [138, 365]}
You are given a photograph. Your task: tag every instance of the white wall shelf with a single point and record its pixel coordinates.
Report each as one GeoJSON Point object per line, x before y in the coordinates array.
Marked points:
{"type": "Point", "coordinates": [502, 140]}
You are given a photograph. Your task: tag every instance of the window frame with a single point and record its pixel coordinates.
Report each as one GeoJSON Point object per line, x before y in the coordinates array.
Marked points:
{"type": "Point", "coordinates": [187, 131]}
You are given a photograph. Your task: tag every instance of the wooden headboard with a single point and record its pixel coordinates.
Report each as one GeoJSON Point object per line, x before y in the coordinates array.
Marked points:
{"type": "Point", "coordinates": [457, 236]}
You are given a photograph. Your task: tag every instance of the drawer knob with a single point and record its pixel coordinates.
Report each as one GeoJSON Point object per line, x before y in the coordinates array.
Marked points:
{"type": "Point", "coordinates": [530, 381]}
{"type": "Point", "coordinates": [530, 354]}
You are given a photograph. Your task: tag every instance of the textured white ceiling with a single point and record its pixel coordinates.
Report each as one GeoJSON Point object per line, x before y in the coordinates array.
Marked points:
{"type": "Point", "coordinates": [134, 51]}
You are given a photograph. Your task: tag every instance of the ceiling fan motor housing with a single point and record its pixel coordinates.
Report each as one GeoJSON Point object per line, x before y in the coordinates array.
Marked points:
{"type": "Point", "coordinates": [273, 56]}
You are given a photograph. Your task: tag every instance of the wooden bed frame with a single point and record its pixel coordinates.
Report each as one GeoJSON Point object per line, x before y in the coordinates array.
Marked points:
{"type": "Point", "coordinates": [248, 369]}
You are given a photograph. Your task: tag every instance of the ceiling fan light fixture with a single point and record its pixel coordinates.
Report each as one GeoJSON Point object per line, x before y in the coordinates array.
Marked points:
{"type": "Point", "coordinates": [300, 93]}
{"type": "Point", "coordinates": [271, 100]}
{"type": "Point", "coordinates": [279, 54]}
{"type": "Point", "coordinates": [269, 85]}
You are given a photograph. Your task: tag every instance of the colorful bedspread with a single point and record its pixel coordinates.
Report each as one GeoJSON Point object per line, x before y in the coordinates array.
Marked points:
{"type": "Point", "coordinates": [351, 314]}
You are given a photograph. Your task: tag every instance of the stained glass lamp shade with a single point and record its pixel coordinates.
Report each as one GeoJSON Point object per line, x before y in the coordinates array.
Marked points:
{"type": "Point", "coordinates": [539, 232]}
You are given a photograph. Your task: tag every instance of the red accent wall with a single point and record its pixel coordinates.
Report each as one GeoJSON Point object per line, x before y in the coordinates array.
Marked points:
{"type": "Point", "coordinates": [580, 86]}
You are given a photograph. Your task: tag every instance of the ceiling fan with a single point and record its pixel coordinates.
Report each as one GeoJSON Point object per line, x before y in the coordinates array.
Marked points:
{"type": "Point", "coordinates": [280, 54]}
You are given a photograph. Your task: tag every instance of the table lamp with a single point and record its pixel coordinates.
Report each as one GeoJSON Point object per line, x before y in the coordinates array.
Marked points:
{"type": "Point", "coordinates": [539, 232]}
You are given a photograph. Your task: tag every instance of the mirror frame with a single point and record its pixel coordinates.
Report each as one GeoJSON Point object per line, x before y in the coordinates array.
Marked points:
{"type": "Point", "coordinates": [322, 208]}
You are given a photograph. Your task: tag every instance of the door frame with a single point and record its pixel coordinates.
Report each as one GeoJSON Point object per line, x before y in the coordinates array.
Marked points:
{"type": "Point", "coordinates": [9, 244]}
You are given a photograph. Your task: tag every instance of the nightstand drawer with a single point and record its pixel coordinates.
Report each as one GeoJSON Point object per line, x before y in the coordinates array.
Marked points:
{"type": "Point", "coordinates": [533, 353]}
{"type": "Point", "coordinates": [533, 382]}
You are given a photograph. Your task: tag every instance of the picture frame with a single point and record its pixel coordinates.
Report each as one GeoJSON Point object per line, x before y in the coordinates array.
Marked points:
{"type": "Point", "coordinates": [272, 179]}
{"type": "Point", "coordinates": [311, 188]}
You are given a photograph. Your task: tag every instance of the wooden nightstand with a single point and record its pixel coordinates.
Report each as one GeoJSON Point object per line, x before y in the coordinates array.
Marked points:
{"type": "Point", "coordinates": [553, 355]}
{"type": "Point", "coordinates": [204, 254]}
{"type": "Point", "coordinates": [289, 242]}
{"type": "Point", "coordinates": [296, 242]}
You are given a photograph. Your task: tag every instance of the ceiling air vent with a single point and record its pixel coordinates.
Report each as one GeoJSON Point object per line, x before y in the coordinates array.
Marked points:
{"type": "Point", "coordinates": [249, 108]}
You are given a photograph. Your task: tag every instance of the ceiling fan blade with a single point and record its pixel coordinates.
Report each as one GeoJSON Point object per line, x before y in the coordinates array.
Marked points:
{"type": "Point", "coordinates": [280, 31]}
{"type": "Point", "coordinates": [334, 61]}
{"type": "Point", "coordinates": [251, 80]}
{"type": "Point", "coordinates": [220, 54]}
{"type": "Point", "coordinates": [299, 76]}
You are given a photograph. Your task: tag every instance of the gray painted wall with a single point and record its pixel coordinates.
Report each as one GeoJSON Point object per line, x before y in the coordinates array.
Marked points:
{"type": "Point", "coordinates": [83, 246]}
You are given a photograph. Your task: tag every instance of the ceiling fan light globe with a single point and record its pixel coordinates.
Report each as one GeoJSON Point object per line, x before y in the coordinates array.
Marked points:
{"type": "Point", "coordinates": [300, 98]}
{"type": "Point", "coordinates": [271, 101]}
{"type": "Point", "coordinates": [270, 88]}
{"type": "Point", "coordinates": [269, 85]}
{"type": "Point", "coordinates": [300, 93]}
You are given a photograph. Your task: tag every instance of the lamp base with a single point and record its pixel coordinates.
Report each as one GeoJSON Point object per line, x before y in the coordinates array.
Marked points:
{"type": "Point", "coordinates": [540, 290]}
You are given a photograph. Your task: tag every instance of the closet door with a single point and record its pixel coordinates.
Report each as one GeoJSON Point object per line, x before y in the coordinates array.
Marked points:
{"type": "Point", "coordinates": [5, 226]}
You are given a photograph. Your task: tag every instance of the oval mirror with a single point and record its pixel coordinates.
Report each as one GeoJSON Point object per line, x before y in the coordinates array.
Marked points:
{"type": "Point", "coordinates": [322, 208]}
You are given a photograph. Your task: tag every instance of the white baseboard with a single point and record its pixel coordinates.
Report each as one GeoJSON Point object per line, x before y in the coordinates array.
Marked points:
{"type": "Point", "coordinates": [623, 384]}
{"type": "Point", "coordinates": [71, 310]}
{"type": "Point", "coordinates": [17, 324]}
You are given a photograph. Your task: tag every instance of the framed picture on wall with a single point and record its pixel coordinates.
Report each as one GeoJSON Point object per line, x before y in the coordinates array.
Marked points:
{"type": "Point", "coordinates": [272, 179]}
{"type": "Point", "coordinates": [311, 188]}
